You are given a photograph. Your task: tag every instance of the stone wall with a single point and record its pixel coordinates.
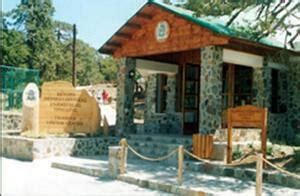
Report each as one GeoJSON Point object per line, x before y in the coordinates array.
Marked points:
{"type": "Point", "coordinates": [283, 125]}
{"type": "Point", "coordinates": [11, 121]}
{"type": "Point", "coordinates": [168, 122]}
{"type": "Point", "coordinates": [29, 149]}
{"type": "Point", "coordinates": [211, 89]}
{"type": "Point", "coordinates": [293, 123]}
{"type": "Point", "coordinates": [261, 86]}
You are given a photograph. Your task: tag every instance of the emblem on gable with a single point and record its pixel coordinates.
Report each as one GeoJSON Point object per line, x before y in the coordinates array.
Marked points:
{"type": "Point", "coordinates": [162, 31]}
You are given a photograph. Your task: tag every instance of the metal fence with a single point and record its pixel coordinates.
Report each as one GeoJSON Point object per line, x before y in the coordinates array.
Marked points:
{"type": "Point", "coordinates": [12, 83]}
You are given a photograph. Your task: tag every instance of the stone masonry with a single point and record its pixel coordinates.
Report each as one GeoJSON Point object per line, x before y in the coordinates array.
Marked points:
{"type": "Point", "coordinates": [211, 89]}
{"type": "Point", "coordinates": [11, 121]}
{"type": "Point", "coordinates": [30, 149]}
{"type": "Point", "coordinates": [293, 124]}
{"type": "Point", "coordinates": [167, 122]}
{"type": "Point", "coordinates": [125, 96]}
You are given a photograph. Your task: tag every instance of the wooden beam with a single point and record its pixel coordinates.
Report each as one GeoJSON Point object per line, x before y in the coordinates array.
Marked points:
{"type": "Point", "coordinates": [145, 16]}
{"type": "Point", "coordinates": [133, 25]}
{"type": "Point", "coordinates": [123, 35]}
{"type": "Point", "coordinates": [115, 44]}
{"type": "Point", "coordinates": [106, 51]}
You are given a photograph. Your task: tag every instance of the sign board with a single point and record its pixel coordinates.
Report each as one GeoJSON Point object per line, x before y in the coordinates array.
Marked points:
{"type": "Point", "coordinates": [247, 117]}
{"type": "Point", "coordinates": [63, 109]}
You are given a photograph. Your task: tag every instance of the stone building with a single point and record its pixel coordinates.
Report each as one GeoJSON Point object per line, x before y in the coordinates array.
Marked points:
{"type": "Point", "coordinates": [195, 69]}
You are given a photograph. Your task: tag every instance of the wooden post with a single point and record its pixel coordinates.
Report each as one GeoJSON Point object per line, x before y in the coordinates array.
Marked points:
{"type": "Point", "coordinates": [180, 164]}
{"type": "Point", "coordinates": [264, 135]}
{"type": "Point", "coordinates": [259, 174]}
{"type": "Point", "coordinates": [229, 137]}
{"type": "Point", "coordinates": [73, 57]}
{"type": "Point", "coordinates": [123, 144]}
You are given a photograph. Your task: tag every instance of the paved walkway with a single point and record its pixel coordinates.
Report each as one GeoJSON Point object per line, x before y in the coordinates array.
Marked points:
{"type": "Point", "coordinates": [39, 179]}
{"type": "Point", "coordinates": [145, 173]}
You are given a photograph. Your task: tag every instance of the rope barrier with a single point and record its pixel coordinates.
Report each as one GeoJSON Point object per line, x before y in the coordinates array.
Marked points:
{"type": "Point", "coordinates": [247, 160]}
{"type": "Point", "coordinates": [150, 158]}
{"type": "Point", "coordinates": [280, 169]}
{"type": "Point", "coordinates": [196, 157]}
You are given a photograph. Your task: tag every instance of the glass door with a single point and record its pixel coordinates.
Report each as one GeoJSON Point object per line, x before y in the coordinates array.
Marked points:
{"type": "Point", "coordinates": [191, 100]}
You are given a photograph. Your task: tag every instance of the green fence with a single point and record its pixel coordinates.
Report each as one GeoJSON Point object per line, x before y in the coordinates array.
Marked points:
{"type": "Point", "coordinates": [12, 83]}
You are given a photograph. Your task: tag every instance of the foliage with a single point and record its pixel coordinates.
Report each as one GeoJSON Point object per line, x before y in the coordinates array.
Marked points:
{"type": "Point", "coordinates": [109, 68]}
{"type": "Point", "coordinates": [13, 50]}
{"type": "Point", "coordinates": [32, 38]}
{"type": "Point", "coordinates": [297, 156]}
{"type": "Point", "coordinates": [270, 16]}
{"type": "Point", "coordinates": [237, 153]}
{"type": "Point", "coordinates": [270, 150]}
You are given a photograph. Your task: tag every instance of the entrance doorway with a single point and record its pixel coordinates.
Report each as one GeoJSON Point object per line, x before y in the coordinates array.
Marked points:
{"type": "Point", "coordinates": [237, 87]}
{"type": "Point", "coordinates": [191, 98]}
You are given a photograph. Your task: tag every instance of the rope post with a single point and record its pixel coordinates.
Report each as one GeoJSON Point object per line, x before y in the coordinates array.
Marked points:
{"type": "Point", "coordinates": [180, 164]}
{"type": "Point", "coordinates": [123, 157]}
{"type": "Point", "coordinates": [259, 174]}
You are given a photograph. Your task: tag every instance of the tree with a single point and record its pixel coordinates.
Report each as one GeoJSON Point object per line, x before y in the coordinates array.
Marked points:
{"type": "Point", "coordinates": [271, 16]}
{"type": "Point", "coordinates": [109, 68]}
{"type": "Point", "coordinates": [31, 38]}
{"type": "Point", "coordinates": [13, 48]}
{"type": "Point", "coordinates": [34, 19]}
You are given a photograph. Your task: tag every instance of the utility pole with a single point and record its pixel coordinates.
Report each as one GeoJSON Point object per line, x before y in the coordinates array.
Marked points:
{"type": "Point", "coordinates": [73, 56]}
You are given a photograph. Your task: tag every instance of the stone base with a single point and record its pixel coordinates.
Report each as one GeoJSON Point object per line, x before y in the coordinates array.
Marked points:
{"type": "Point", "coordinates": [238, 135]}
{"type": "Point", "coordinates": [29, 149]}
{"type": "Point", "coordinates": [11, 120]}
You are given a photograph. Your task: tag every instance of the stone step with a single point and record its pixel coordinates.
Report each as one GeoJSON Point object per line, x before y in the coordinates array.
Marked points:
{"type": "Point", "coordinates": [96, 168]}
{"type": "Point", "coordinates": [169, 139]}
{"type": "Point", "coordinates": [156, 147]}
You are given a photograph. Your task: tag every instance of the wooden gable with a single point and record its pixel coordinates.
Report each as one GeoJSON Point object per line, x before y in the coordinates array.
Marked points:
{"type": "Point", "coordinates": [137, 37]}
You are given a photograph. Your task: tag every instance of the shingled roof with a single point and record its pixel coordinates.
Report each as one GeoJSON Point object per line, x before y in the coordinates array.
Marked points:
{"type": "Point", "coordinates": [214, 26]}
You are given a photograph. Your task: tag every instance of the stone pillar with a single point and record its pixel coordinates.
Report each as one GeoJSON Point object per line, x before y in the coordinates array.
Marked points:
{"type": "Point", "coordinates": [31, 105]}
{"type": "Point", "coordinates": [261, 89]}
{"type": "Point", "coordinates": [150, 104]}
{"type": "Point", "coordinates": [171, 99]}
{"type": "Point", "coordinates": [114, 160]}
{"type": "Point", "coordinates": [211, 89]}
{"type": "Point", "coordinates": [125, 96]}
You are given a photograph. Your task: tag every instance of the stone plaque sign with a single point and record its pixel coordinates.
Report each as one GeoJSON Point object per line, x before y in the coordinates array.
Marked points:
{"type": "Point", "coordinates": [30, 98]}
{"type": "Point", "coordinates": [63, 109]}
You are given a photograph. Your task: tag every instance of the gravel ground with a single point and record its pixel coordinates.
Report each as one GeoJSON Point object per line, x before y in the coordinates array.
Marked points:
{"type": "Point", "coordinates": [39, 179]}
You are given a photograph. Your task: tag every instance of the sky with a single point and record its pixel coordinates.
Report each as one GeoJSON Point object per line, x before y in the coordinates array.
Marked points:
{"type": "Point", "coordinates": [96, 20]}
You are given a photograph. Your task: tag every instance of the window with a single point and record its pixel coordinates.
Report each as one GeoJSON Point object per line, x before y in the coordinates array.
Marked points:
{"type": "Point", "coordinates": [161, 93]}
{"type": "Point", "coordinates": [278, 91]}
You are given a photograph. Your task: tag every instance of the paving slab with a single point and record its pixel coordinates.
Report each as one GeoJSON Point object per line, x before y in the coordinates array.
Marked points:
{"type": "Point", "coordinates": [37, 178]}
{"type": "Point", "coordinates": [162, 177]}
